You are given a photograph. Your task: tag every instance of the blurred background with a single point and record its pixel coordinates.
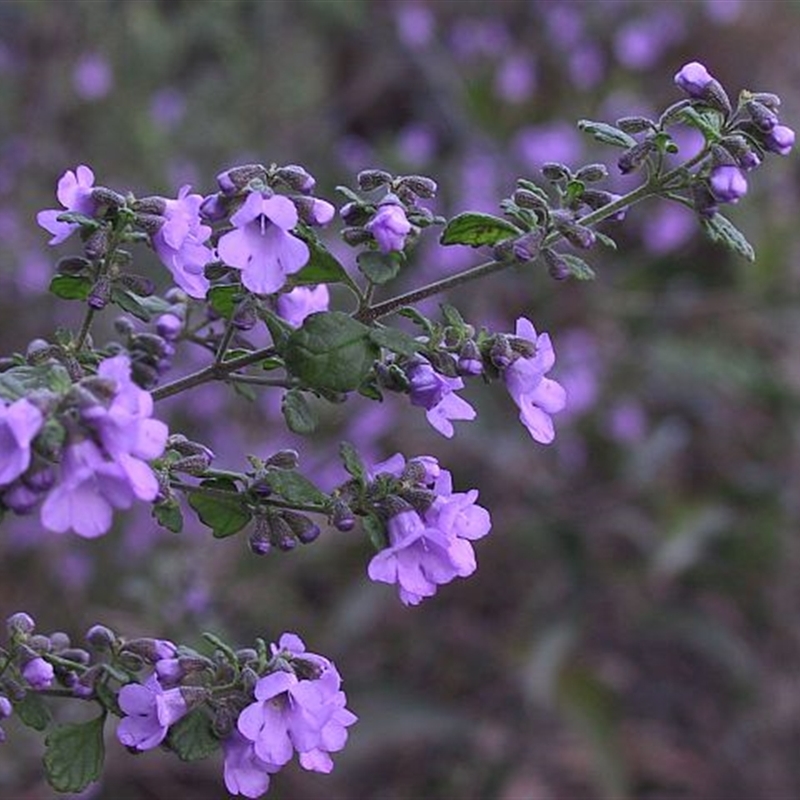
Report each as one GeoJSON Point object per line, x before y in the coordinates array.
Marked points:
{"type": "Point", "coordinates": [633, 630]}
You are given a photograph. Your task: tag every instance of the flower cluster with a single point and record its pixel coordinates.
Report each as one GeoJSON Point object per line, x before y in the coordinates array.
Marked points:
{"type": "Point", "coordinates": [85, 451]}
{"type": "Point", "coordinates": [750, 131]}
{"type": "Point", "coordinates": [299, 707]}
{"type": "Point", "coordinates": [431, 547]}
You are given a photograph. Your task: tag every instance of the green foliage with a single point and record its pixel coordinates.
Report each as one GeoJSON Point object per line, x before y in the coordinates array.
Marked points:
{"type": "Point", "coordinates": [74, 755]}
{"type": "Point", "coordinates": [168, 515]}
{"type": "Point", "coordinates": [379, 267]}
{"type": "Point", "coordinates": [33, 711]}
{"type": "Point", "coordinates": [300, 417]}
{"type": "Point", "coordinates": [71, 287]}
{"type": "Point", "coordinates": [225, 516]}
{"type": "Point", "coordinates": [721, 230]}
{"type": "Point", "coordinates": [475, 230]}
{"type": "Point", "coordinates": [295, 488]}
{"type": "Point", "coordinates": [352, 461]}
{"type": "Point", "coordinates": [331, 351]}
{"type": "Point", "coordinates": [607, 134]}
{"type": "Point", "coordinates": [192, 738]}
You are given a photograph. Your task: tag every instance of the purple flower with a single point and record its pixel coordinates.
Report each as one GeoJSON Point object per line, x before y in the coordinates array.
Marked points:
{"type": "Point", "coordinates": [296, 305]}
{"type": "Point", "coordinates": [75, 194]}
{"type": "Point", "coordinates": [261, 246]}
{"type": "Point", "coordinates": [390, 227]}
{"type": "Point", "coordinates": [436, 394]}
{"type": "Point", "coordinates": [536, 396]}
{"type": "Point", "coordinates": [19, 423]}
{"type": "Point", "coordinates": [149, 711]}
{"type": "Point", "coordinates": [245, 773]}
{"type": "Point", "coordinates": [302, 714]}
{"type": "Point", "coordinates": [780, 140]}
{"type": "Point", "coordinates": [429, 550]}
{"type": "Point", "coordinates": [693, 78]}
{"type": "Point", "coordinates": [179, 243]}
{"type": "Point", "coordinates": [6, 708]}
{"type": "Point", "coordinates": [38, 673]}
{"type": "Point", "coordinates": [92, 77]}
{"type": "Point", "coordinates": [727, 183]}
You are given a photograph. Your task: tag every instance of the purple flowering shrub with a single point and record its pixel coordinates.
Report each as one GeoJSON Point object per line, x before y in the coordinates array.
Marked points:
{"type": "Point", "coordinates": [248, 287]}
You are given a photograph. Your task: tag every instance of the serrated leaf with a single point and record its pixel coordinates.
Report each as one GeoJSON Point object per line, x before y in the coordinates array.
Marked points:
{"type": "Point", "coordinates": [331, 351]}
{"type": "Point", "coordinates": [375, 530]}
{"type": "Point", "coordinates": [475, 229]}
{"type": "Point", "coordinates": [225, 516]}
{"type": "Point", "coordinates": [33, 711]}
{"type": "Point", "coordinates": [379, 267]}
{"type": "Point", "coordinates": [132, 303]}
{"type": "Point", "coordinates": [300, 417]}
{"type": "Point", "coordinates": [74, 755]}
{"type": "Point", "coordinates": [192, 738]}
{"type": "Point", "coordinates": [322, 266]}
{"type": "Point", "coordinates": [352, 461]}
{"type": "Point", "coordinates": [396, 341]}
{"type": "Point", "coordinates": [721, 229]}
{"type": "Point", "coordinates": [578, 268]}
{"type": "Point", "coordinates": [71, 287]}
{"type": "Point", "coordinates": [605, 133]}
{"type": "Point", "coordinates": [294, 487]}
{"type": "Point", "coordinates": [168, 515]}
{"type": "Point", "coordinates": [223, 299]}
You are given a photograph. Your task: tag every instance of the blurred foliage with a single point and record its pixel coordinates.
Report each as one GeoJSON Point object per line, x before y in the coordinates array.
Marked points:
{"type": "Point", "coordinates": [634, 626]}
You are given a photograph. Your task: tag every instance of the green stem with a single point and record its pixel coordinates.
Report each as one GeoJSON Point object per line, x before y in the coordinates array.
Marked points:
{"type": "Point", "coordinates": [221, 494]}
{"type": "Point", "coordinates": [225, 342]}
{"type": "Point", "coordinates": [85, 328]}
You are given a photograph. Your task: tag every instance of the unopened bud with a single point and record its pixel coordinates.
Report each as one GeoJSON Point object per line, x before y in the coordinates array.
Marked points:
{"type": "Point", "coordinates": [763, 117]}
{"type": "Point", "coordinates": [635, 156]}
{"type": "Point", "coordinates": [356, 236]}
{"type": "Point", "coordinates": [150, 205]}
{"type": "Point", "coordinates": [100, 637]}
{"type": "Point", "coordinates": [591, 173]}
{"type": "Point", "coordinates": [303, 528]}
{"type": "Point", "coordinates": [342, 517]}
{"type": "Point", "coordinates": [72, 265]}
{"type": "Point", "coordinates": [236, 179]}
{"type": "Point", "coordinates": [296, 178]}
{"type": "Point", "coordinates": [96, 245]}
{"type": "Point", "coordinates": [420, 185]}
{"type": "Point", "coordinates": [284, 459]}
{"type": "Point", "coordinates": [557, 266]}
{"type": "Point", "coordinates": [20, 624]}
{"type": "Point", "coordinates": [104, 196]}
{"type": "Point", "coordinates": [100, 294]}
{"type": "Point", "coordinates": [635, 124]}
{"type": "Point", "coordinates": [555, 171]}
{"type": "Point", "coordinates": [370, 179]}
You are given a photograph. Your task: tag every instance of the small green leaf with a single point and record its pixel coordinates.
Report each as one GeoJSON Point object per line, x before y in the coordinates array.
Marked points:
{"type": "Point", "coordinates": [379, 267]}
{"type": "Point", "coordinates": [71, 287]}
{"type": "Point", "coordinates": [331, 351]}
{"type": "Point", "coordinates": [376, 531]}
{"type": "Point", "coordinates": [76, 218]}
{"type": "Point", "coordinates": [20, 381]}
{"type": "Point", "coordinates": [322, 266]}
{"type": "Point", "coordinates": [192, 738]}
{"type": "Point", "coordinates": [294, 487]}
{"type": "Point", "coordinates": [476, 229]}
{"type": "Point", "coordinates": [225, 516]}
{"type": "Point", "coordinates": [33, 711]}
{"type": "Point", "coordinates": [721, 229]}
{"type": "Point", "coordinates": [74, 755]}
{"type": "Point", "coordinates": [396, 341]}
{"type": "Point", "coordinates": [605, 133]}
{"type": "Point", "coordinates": [352, 461]}
{"type": "Point", "coordinates": [707, 123]}
{"type": "Point", "coordinates": [300, 417]}
{"type": "Point", "coordinates": [578, 268]}
{"type": "Point", "coordinates": [279, 329]}
{"type": "Point", "coordinates": [168, 515]}
{"type": "Point", "coordinates": [223, 299]}
{"type": "Point", "coordinates": [605, 240]}
{"type": "Point", "coordinates": [131, 303]}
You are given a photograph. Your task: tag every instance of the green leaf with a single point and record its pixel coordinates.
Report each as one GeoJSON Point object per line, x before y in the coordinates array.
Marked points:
{"type": "Point", "coordinates": [225, 516]}
{"type": "Point", "coordinates": [168, 515]}
{"type": "Point", "coordinates": [20, 381]}
{"type": "Point", "coordinates": [76, 218]}
{"type": "Point", "coordinates": [223, 299]}
{"type": "Point", "coordinates": [607, 134]}
{"type": "Point", "coordinates": [74, 755]}
{"type": "Point", "coordinates": [352, 461]}
{"type": "Point", "coordinates": [707, 123]}
{"type": "Point", "coordinates": [379, 267]}
{"type": "Point", "coordinates": [720, 229]}
{"type": "Point", "coordinates": [376, 531]}
{"type": "Point", "coordinates": [322, 266]}
{"type": "Point", "coordinates": [300, 417]}
{"type": "Point", "coordinates": [331, 351]}
{"type": "Point", "coordinates": [294, 487]}
{"type": "Point", "coordinates": [605, 240]}
{"type": "Point", "coordinates": [578, 268]}
{"type": "Point", "coordinates": [420, 319]}
{"type": "Point", "coordinates": [33, 711]}
{"type": "Point", "coordinates": [476, 229]}
{"type": "Point", "coordinates": [131, 303]}
{"type": "Point", "coordinates": [396, 341]}
{"type": "Point", "coordinates": [279, 329]}
{"type": "Point", "coordinates": [192, 738]}
{"type": "Point", "coordinates": [452, 316]}
{"type": "Point", "coordinates": [71, 287]}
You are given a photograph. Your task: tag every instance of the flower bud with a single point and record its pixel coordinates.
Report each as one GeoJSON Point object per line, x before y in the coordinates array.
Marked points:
{"type": "Point", "coordinates": [38, 673]}
{"type": "Point", "coordinates": [103, 196]}
{"type": "Point", "coordinates": [150, 650]}
{"type": "Point", "coordinates": [555, 172]}
{"type": "Point", "coordinates": [635, 124]}
{"type": "Point", "coordinates": [354, 214]}
{"type": "Point", "coordinates": [296, 178]}
{"type": "Point", "coordinates": [20, 624]}
{"type": "Point", "coordinates": [591, 173]}
{"type": "Point", "coordinates": [151, 224]}
{"type": "Point", "coordinates": [693, 78]}
{"type": "Point", "coordinates": [420, 185]}
{"type": "Point", "coordinates": [557, 267]}
{"type": "Point", "coordinates": [235, 179]}
{"type": "Point", "coordinates": [59, 640]}
{"type": "Point", "coordinates": [342, 517]}
{"type": "Point", "coordinates": [20, 498]}
{"type": "Point", "coordinates": [704, 202]}
{"type": "Point", "coordinates": [96, 244]}
{"type": "Point", "coordinates": [780, 140]}
{"type": "Point", "coordinates": [635, 156]}
{"type": "Point", "coordinates": [764, 119]}
{"type": "Point", "coordinates": [370, 179]}
{"type": "Point", "coordinates": [727, 183]}
{"type": "Point", "coordinates": [469, 359]}
{"type": "Point", "coordinates": [355, 236]}
{"type": "Point", "coordinates": [100, 637]}
{"type": "Point", "coordinates": [302, 527]}
{"type": "Point", "coordinates": [213, 208]}
{"type": "Point", "coordinates": [156, 206]}
{"type": "Point", "coordinates": [525, 198]}
{"type": "Point", "coordinates": [72, 265]}
{"type": "Point", "coordinates": [6, 708]}
{"type": "Point", "coordinates": [100, 294]}
{"type": "Point", "coordinates": [281, 534]}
